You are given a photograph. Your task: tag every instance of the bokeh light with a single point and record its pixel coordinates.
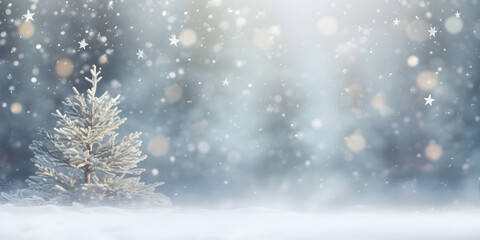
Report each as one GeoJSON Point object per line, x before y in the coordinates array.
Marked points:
{"type": "Point", "coordinates": [187, 37]}
{"type": "Point", "coordinates": [433, 151]}
{"type": "Point", "coordinates": [16, 108]}
{"type": "Point", "coordinates": [417, 30]}
{"type": "Point", "coordinates": [26, 30]}
{"type": "Point", "coordinates": [203, 147]}
{"type": "Point", "coordinates": [412, 61]}
{"type": "Point", "coordinates": [453, 25]}
{"type": "Point", "coordinates": [158, 146]}
{"type": "Point", "coordinates": [379, 104]}
{"type": "Point", "coordinates": [103, 59]}
{"type": "Point", "coordinates": [173, 93]}
{"type": "Point", "coordinates": [317, 123]}
{"type": "Point", "coordinates": [427, 80]}
{"type": "Point", "coordinates": [355, 142]}
{"type": "Point", "coordinates": [64, 68]}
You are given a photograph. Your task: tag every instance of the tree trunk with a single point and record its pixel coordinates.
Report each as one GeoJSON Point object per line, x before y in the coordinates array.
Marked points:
{"type": "Point", "coordinates": [87, 176]}
{"type": "Point", "coordinates": [88, 172]}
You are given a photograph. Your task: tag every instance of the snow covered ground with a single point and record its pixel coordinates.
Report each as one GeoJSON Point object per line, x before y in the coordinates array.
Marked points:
{"type": "Point", "coordinates": [53, 222]}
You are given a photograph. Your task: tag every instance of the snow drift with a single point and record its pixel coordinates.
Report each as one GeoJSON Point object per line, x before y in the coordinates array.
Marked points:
{"type": "Point", "coordinates": [76, 222]}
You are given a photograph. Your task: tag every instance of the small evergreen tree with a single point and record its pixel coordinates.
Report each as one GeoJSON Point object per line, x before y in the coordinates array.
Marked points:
{"type": "Point", "coordinates": [82, 161]}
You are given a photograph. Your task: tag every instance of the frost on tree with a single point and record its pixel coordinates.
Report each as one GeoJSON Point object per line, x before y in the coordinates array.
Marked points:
{"type": "Point", "coordinates": [84, 161]}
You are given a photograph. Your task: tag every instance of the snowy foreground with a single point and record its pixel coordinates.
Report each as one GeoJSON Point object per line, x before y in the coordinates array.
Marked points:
{"type": "Point", "coordinates": [53, 222]}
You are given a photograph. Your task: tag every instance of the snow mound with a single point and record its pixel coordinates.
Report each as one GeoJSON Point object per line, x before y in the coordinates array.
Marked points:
{"type": "Point", "coordinates": [76, 222]}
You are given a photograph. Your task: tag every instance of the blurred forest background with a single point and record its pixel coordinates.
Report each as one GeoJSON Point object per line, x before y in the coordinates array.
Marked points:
{"type": "Point", "coordinates": [310, 103]}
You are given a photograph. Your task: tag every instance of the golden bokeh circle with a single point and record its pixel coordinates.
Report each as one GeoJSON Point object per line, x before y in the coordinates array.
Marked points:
{"type": "Point", "coordinates": [427, 80]}
{"type": "Point", "coordinates": [103, 59]}
{"type": "Point", "coordinates": [355, 142]}
{"type": "Point", "coordinates": [16, 108]}
{"type": "Point", "coordinates": [412, 61]}
{"type": "Point", "coordinates": [26, 30]}
{"type": "Point", "coordinates": [64, 68]}
{"type": "Point", "coordinates": [433, 151]}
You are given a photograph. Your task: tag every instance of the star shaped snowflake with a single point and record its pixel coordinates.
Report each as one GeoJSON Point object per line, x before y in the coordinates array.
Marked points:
{"type": "Point", "coordinates": [429, 100]}
{"type": "Point", "coordinates": [83, 44]}
{"type": "Point", "coordinates": [395, 22]}
{"type": "Point", "coordinates": [140, 54]}
{"type": "Point", "coordinates": [432, 31]}
{"type": "Point", "coordinates": [173, 40]}
{"type": "Point", "coordinates": [28, 16]}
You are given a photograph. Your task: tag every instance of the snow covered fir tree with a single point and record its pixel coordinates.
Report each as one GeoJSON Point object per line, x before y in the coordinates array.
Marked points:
{"type": "Point", "coordinates": [83, 161]}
